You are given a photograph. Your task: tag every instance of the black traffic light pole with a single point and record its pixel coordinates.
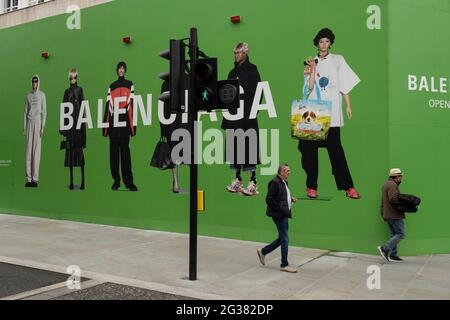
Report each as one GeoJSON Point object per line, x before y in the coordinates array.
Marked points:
{"type": "Point", "coordinates": [193, 116]}
{"type": "Point", "coordinates": [176, 76]}
{"type": "Point", "coordinates": [215, 94]}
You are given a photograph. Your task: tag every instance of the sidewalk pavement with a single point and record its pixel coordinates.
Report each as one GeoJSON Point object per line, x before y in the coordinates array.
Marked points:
{"type": "Point", "coordinates": [227, 269]}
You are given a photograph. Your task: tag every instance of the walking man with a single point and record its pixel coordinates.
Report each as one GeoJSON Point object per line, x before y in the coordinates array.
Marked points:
{"type": "Point", "coordinates": [390, 214]}
{"type": "Point", "coordinates": [279, 202]}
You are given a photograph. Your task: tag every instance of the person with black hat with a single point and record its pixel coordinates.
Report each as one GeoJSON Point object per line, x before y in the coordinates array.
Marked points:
{"type": "Point", "coordinates": [120, 104]}
{"type": "Point", "coordinates": [391, 214]}
{"type": "Point", "coordinates": [336, 79]}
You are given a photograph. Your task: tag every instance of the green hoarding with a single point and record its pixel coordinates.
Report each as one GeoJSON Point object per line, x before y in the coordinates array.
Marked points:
{"type": "Point", "coordinates": [399, 120]}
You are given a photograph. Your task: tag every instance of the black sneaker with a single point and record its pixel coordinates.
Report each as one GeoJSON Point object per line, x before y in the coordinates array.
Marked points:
{"type": "Point", "coordinates": [115, 186]}
{"type": "Point", "coordinates": [384, 253]}
{"type": "Point", "coordinates": [132, 187]}
{"type": "Point", "coordinates": [34, 184]}
{"type": "Point", "coordinates": [28, 185]}
{"type": "Point", "coordinates": [395, 258]}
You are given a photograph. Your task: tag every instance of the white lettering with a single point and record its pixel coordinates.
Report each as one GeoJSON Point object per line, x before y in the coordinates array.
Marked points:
{"type": "Point", "coordinates": [412, 83]}
{"type": "Point", "coordinates": [146, 114]}
{"type": "Point", "coordinates": [64, 115]}
{"type": "Point", "coordinates": [84, 110]}
{"type": "Point", "coordinates": [374, 20]}
{"type": "Point", "coordinates": [263, 90]}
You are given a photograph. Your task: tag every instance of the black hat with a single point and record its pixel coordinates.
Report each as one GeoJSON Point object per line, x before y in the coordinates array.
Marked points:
{"type": "Point", "coordinates": [121, 64]}
{"type": "Point", "coordinates": [324, 33]}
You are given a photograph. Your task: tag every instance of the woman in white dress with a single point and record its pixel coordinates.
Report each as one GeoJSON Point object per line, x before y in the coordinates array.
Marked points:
{"type": "Point", "coordinates": [336, 79]}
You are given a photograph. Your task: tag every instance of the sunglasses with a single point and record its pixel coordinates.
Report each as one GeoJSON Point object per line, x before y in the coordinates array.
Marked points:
{"type": "Point", "coordinates": [34, 81]}
{"type": "Point", "coordinates": [73, 78]}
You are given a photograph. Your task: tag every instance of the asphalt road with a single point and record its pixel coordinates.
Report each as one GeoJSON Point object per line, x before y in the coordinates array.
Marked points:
{"type": "Point", "coordinates": [15, 279]}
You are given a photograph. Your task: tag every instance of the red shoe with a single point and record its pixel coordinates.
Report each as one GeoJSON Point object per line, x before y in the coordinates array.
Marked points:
{"type": "Point", "coordinates": [352, 193]}
{"type": "Point", "coordinates": [311, 193]}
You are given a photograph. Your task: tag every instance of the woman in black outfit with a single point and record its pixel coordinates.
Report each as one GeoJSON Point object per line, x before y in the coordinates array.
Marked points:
{"type": "Point", "coordinates": [76, 138]}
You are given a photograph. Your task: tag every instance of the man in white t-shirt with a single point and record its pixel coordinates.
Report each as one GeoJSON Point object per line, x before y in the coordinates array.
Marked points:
{"type": "Point", "coordinates": [335, 79]}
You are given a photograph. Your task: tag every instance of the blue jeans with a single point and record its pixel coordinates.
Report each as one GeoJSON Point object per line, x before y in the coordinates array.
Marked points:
{"type": "Point", "coordinates": [397, 230]}
{"type": "Point", "coordinates": [283, 240]}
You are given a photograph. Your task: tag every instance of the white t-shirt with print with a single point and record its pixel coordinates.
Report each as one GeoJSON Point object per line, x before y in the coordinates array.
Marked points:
{"type": "Point", "coordinates": [334, 78]}
{"type": "Point", "coordinates": [288, 194]}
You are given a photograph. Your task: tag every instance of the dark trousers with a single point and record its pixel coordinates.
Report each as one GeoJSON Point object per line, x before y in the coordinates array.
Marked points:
{"type": "Point", "coordinates": [119, 151]}
{"type": "Point", "coordinates": [283, 240]}
{"type": "Point", "coordinates": [310, 160]}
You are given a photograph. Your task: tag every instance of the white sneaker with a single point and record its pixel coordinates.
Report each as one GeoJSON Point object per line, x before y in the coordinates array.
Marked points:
{"type": "Point", "coordinates": [251, 189]}
{"type": "Point", "coordinates": [236, 186]}
{"type": "Point", "coordinates": [261, 257]}
{"type": "Point", "coordinates": [289, 269]}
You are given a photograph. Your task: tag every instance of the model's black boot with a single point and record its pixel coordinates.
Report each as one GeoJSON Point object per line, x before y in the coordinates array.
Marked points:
{"type": "Point", "coordinates": [71, 187]}
{"type": "Point", "coordinates": [82, 178]}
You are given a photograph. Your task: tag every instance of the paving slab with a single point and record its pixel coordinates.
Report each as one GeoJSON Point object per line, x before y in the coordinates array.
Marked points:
{"type": "Point", "coordinates": [227, 269]}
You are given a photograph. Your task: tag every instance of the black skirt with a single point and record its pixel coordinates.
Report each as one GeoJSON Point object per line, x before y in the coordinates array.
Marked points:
{"type": "Point", "coordinates": [74, 157]}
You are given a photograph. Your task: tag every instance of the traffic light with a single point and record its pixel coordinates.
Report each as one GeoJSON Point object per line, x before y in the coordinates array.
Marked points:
{"type": "Point", "coordinates": [228, 94]}
{"type": "Point", "coordinates": [206, 84]}
{"type": "Point", "coordinates": [176, 76]}
{"type": "Point", "coordinates": [212, 94]}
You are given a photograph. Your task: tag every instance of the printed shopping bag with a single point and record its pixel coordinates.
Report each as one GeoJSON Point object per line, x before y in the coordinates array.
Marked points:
{"type": "Point", "coordinates": [310, 119]}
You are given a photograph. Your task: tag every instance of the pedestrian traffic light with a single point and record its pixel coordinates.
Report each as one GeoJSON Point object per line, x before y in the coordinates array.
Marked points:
{"type": "Point", "coordinates": [205, 76]}
{"type": "Point", "coordinates": [176, 77]}
{"type": "Point", "coordinates": [228, 94]}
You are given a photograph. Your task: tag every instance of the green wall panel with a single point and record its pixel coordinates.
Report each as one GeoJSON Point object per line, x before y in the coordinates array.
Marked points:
{"type": "Point", "coordinates": [391, 126]}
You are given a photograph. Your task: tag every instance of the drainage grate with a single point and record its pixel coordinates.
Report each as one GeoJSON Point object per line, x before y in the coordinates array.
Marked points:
{"type": "Point", "coordinates": [113, 291]}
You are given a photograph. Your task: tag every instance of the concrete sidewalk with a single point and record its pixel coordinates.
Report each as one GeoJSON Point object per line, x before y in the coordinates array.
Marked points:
{"type": "Point", "coordinates": [227, 269]}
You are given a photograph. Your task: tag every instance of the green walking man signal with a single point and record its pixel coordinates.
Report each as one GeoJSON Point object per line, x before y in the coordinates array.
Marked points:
{"type": "Point", "coordinates": [205, 95]}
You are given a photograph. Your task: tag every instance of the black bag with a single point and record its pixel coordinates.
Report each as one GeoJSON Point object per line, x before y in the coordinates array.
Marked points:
{"type": "Point", "coordinates": [161, 156]}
